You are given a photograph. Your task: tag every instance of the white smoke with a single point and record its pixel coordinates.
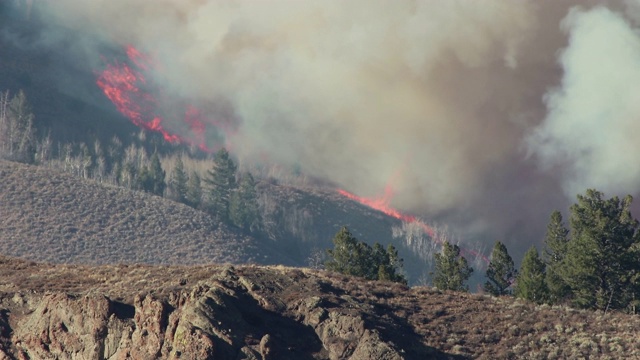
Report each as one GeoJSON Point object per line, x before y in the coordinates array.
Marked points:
{"type": "Point", "coordinates": [350, 91]}
{"type": "Point", "coordinates": [590, 132]}
{"type": "Point", "coordinates": [448, 94]}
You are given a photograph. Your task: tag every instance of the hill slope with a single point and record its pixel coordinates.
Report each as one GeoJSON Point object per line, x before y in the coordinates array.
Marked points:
{"type": "Point", "coordinates": [251, 312]}
{"type": "Point", "coordinates": [50, 216]}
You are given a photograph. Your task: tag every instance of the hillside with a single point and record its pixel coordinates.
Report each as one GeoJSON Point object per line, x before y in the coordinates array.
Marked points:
{"type": "Point", "coordinates": [55, 217]}
{"type": "Point", "coordinates": [252, 312]}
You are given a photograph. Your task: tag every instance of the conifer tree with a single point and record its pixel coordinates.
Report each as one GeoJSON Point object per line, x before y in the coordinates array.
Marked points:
{"type": "Point", "coordinates": [86, 161]}
{"type": "Point", "coordinates": [501, 272]}
{"type": "Point", "coordinates": [158, 175]}
{"type": "Point", "coordinates": [178, 182]}
{"type": "Point", "coordinates": [151, 179]}
{"type": "Point", "coordinates": [451, 269]}
{"type": "Point", "coordinates": [221, 182]}
{"type": "Point", "coordinates": [556, 241]}
{"type": "Point", "coordinates": [194, 191]}
{"type": "Point", "coordinates": [600, 260]}
{"type": "Point", "coordinates": [530, 284]}
{"type": "Point", "coordinates": [389, 264]}
{"type": "Point", "coordinates": [129, 175]}
{"type": "Point", "coordinates": [244, 211]}
{"type": "Point", "coordinates": [348, 255]}
{"type": "Point", "coordinates": [17, 132]}
{"type": "Point", "coordinates": [352, 257]}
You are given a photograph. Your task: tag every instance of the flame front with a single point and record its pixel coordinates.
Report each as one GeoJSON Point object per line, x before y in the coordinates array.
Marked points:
{"type": "Point", "coordinates": [123, 84]}
{"type": "Point", "coordinates": [382, 204]}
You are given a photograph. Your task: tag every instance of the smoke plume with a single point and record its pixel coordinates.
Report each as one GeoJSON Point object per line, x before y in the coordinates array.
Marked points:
{"type": "Point", "coordinates": [590, 130]}
{"type": "Point", "coordinates": [465, 105]}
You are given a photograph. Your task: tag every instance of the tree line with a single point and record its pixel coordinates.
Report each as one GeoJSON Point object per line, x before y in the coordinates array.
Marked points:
{"type": "Point", "coordinates": [223, 192]}
{"type": "Point", "coordinates": [594, 263]}
{"type": "Point", "coordinates": [591, 263]}
{"type": "Point", "coordinates": [357, 258]}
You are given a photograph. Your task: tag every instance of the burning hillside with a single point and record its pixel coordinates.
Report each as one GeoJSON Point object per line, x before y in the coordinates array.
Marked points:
{"type": "Point", "coordinates": [506, 110]}
{"type": "Point", "coordinates": [127, 86]}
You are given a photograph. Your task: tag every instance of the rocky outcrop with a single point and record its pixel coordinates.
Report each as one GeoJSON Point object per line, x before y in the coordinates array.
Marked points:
{"type": "Point", "coordinates": [261, 314]}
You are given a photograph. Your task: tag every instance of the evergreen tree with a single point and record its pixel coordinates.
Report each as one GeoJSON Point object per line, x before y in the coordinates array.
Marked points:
{"type": "Point", "coordinates": [194, 190]}
{"type": "Point", "coordinates": [221, 181]}
{"type": "Point", "coordinates": [144, 180]}
{"type": "Point", "coordinates": [151, 179]}
{"type": "Point", "coordinates": [158, 176]}
{"type": "Point", "coordinates": [86, 162]}
{"type": "Point", "coordinates": [115, 155]}
{"type": "Point", "coordinates": [17, 132]}
{"type": "Point", "coordinates": [178, 183]}
{"type": "Point", "coordinates": [530, 284]}
{"type": "Point", "coordinates": [389, 264]}
{"type": "Point", "coordinates": [129, 175]}
{"type": "Point", "coordinates": [244, 211]}
{"type": "Point", "coordinates": [600, 260]}
{"type": "Point", "coordinates": [100, 167]}
{"type": "Point", "coordinates": [451, 269]}
{"type": "Point", "coordinates": [556, 241]}
{"type": "Point", "coordinates": [349, 256]}
{"type": "Point", "coordinates": [352, 257]}
{"type": "Point", "coordinates": [501, 272]}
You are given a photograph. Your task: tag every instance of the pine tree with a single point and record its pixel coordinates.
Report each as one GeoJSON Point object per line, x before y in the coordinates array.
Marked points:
{"type": "Point", "coordinates": [86, 162]}
{"type": "Point", "coordinates": [501, 272]}
{"type": "Point", "coordinates": [530, 284]}
{"type": "Point", "coordinates": [600, 260]}
{"type": "Point", "coordinates": [115, 155]}
{"type": "Point", "coordinates": [100, 168]}
{"type": "Point", "coordinates": [352, 257]}
{"type": "Point", "coordinates": [194, 191]}
{"type": "Point", "coordinates": [221, 182]}
{"type": "Point", "coordinates": [129, 175]}
{"type": "Point", "coordinates": [151, 179]}
{"type": "Point", "coordinates": [158, 175]}
{"type": "Point", "coordinates": [451, 269]}
{"type": "Point", "coordinates": [178, 183]}
{"type": "Point", "coordinates": [556, 242]}
{"type": "Point", "coordinates": [389, 264]}
{"type": "Point", "coordinates": [17, 132]}
{"type": "Point", "coordinates": [244, 211]}
{"type": "Point", "coordinates": [348, 256]}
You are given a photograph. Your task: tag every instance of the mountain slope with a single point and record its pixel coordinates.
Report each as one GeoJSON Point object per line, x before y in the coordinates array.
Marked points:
{"type": "Point", "coordinates": [50, 216]}
{"type": "Point", "coordinates": [253, 312]}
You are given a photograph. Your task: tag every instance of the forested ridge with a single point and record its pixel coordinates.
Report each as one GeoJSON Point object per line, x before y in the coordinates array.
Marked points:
{"type": "Point", "coordinates": [589, 263]}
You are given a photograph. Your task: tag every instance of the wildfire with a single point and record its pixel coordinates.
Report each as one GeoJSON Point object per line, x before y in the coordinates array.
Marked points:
{"type": "Point", "coordinates": [123, 83]}
{"type": "Point", "coordinates": [382, 204]}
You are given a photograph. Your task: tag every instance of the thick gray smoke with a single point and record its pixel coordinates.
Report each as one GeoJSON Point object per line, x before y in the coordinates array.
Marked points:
{"type": "Point", "coordinates": [593, 119]}
{"type": "Point", "coordinates": [481, 111]}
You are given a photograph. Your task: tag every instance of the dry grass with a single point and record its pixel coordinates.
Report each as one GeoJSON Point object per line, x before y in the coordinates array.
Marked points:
{"type": "Point", "coordinates": [119, 282]}
{"type": "Point", "coordinates": [53, 217]}
{"type": "Point", "coordinates": [419, 320]}
{"type": "Point", "coordinates": [484, 327]}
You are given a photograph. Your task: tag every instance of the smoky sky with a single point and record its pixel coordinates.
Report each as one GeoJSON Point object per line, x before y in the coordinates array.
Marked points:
{"type": "Point", "coordinates": [485, 115]}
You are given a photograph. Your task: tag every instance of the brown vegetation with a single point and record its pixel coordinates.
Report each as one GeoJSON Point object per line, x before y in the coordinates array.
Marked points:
{"type": "Point", "coordinates": [343, 312]}
{"type": "Point", "coordinates": [54, 217]}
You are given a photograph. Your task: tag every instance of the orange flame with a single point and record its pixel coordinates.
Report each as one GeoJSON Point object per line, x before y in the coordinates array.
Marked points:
{"type": "Point", "coordinates": [382, 204]}
{"type": "Point", "coordinates": [121, 83]}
